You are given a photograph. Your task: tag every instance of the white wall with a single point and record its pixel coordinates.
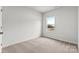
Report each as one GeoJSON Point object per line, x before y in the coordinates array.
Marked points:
{"type": "Point", "coordinates": [20, 24]}
{"type": "Point", "coordinates": [0, 19]}
{"type": "Point", "coordinates": [78, 28]}
{"type": "Point", "coordinates": [0, 27]}
{"type": "Point", "coordinates": [66, 24]}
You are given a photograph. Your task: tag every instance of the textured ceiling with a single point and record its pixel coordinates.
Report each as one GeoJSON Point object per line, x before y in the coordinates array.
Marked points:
{"type": "Point", "coordinates": [43, 9]}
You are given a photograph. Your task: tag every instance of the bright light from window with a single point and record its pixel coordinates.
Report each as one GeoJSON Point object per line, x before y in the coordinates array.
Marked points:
{"type": "Point", "coordinates": [50, 23]}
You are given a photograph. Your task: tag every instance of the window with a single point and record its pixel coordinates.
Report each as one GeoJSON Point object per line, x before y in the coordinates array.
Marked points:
{"type": "Point", "coordinates": [50, 23]}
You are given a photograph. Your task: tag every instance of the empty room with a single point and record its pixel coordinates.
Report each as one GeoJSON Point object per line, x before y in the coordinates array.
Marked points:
{"type": "Point", "coordinates": [39, 29]}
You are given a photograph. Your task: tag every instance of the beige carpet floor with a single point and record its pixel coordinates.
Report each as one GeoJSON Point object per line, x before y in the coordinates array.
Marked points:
{"type": "Point", "coordinates": [41, 45]}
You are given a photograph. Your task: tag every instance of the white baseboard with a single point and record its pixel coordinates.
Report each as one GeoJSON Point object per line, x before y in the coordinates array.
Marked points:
{"type": "Point", "coordinates": [30, 38]}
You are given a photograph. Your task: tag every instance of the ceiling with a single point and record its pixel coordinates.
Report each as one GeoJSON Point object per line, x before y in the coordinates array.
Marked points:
{"type": "Point", "coordinates": [43, 9]}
